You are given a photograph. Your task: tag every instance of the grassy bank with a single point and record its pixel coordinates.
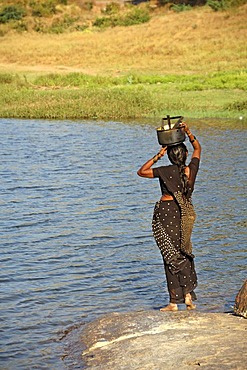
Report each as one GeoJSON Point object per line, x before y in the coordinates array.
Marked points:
{"type": "Point", "coordinates": [193, 63]}
{"type": "Point", "coordinates": [76, 95]}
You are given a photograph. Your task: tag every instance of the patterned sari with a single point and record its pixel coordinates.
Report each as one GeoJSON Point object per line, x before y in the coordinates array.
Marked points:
{"type": "Point", "coordinates": [172, 228]}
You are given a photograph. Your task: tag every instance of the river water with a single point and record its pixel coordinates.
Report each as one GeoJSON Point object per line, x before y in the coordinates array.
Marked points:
{"type": "Point", "coordinates": [76, 239]}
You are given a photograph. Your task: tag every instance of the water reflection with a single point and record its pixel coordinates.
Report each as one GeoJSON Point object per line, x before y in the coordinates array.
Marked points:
{"type": "Point", "coordinates": [76, 237]}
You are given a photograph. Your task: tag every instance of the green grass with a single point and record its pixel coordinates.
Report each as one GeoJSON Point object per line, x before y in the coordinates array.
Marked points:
{"type": "Point", "coordinates": [220, 80]}
{"type": "Point", "coordinates": [75, 95]}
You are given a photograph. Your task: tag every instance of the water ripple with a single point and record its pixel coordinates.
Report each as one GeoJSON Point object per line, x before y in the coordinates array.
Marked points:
{"type": "Point", "coordinates": [75, 229]}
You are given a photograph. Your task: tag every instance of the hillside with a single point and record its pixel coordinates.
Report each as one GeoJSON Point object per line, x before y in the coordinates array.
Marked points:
{"type": "Point", "coordinates": [192, 62]}
{"type": "Point", "coordinates": [195, 41]}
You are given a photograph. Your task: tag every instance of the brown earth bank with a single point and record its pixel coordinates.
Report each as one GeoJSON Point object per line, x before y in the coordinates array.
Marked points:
{"type": "Point", "coordinates": [163, 341]}
{"type": "Point", "coordinates": [196, 41]}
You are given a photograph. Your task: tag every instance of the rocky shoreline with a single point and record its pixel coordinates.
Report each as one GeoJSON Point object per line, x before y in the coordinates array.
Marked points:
{"type": "Point", "coordinates": [163, 341]}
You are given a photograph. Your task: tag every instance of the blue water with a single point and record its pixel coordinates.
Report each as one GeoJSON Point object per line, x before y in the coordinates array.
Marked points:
{"type": "Point", "coordinates": [76, 239]}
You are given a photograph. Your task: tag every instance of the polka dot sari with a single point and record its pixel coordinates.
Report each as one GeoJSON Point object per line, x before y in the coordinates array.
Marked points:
{"type": "Point", "coordinates": [172, 227]}
{"type": "Point", "coordinates": [179, 267]}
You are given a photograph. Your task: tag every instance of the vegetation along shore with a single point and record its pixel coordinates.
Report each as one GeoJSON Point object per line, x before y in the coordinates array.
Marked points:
{"type": "Point", "coordinates": [114, 60]}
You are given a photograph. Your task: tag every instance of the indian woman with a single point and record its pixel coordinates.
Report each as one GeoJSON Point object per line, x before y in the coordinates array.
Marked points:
{"type": "Point", "coordinates": [174, 217]}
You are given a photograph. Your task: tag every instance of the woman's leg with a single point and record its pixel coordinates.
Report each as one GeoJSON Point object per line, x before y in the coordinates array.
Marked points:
{"type": "Point", "coordinates": [181, 284]}
{"type": "Point", "coordinates": [166, 230]}
{"type": "Point", "coordinates": [189, 302]}
{"type": "Point", "coordinates": [180, 273]}
{"type": "Point", "coordinates": [173, 286]}
{"type": "Point", "coordinates": [188, 282]}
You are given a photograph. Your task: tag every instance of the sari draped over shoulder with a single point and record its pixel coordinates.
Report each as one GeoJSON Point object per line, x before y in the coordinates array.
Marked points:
{"type": "Point", "coordinates": [170, 183]}
{"type": "Point", "coordinates": [171, 179]}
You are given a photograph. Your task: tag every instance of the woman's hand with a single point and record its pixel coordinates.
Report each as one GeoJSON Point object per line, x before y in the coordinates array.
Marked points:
{"type": "Point", "coordinates": [162, 151]}
{"type": "Point", "coordinates": [185, 127]}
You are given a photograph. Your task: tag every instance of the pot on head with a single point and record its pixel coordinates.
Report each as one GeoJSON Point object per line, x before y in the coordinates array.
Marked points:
{"type": "Point", "coordinates": [170, 134]}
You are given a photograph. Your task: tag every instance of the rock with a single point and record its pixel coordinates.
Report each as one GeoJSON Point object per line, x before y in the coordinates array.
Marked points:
{"type": "Point", "coordinates": [240, 307]}
{"type": "Point", "coordinates": [152, 340]}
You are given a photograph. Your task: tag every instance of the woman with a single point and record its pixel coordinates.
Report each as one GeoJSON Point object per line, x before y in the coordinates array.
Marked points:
{"type": "Point", "coordinates": [174, 217]}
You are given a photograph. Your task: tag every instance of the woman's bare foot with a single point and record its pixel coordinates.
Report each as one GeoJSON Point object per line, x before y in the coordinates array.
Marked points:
{"type": "Point", "coordinates": [170, 307]}
{"type": "Point", "coordinates": [188, 302]}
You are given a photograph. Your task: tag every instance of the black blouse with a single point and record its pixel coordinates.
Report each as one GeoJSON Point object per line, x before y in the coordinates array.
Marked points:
{"type": "Point", "coordinates": [159, 171]}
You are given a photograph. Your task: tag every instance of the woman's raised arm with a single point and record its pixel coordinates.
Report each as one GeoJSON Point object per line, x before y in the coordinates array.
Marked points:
{"type": "Point", "coordinates": [145, 170]}
{"type": "Point", "coordinates": [193, 140]}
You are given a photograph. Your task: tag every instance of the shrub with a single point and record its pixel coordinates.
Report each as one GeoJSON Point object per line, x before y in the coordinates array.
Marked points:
{"type": "Point", "coordinates": [6, 78]}
{"type": "Point", "coordinates": [182, 2]}
{"type": "Point", "coordinates": [134, 16]}
{"type": "Point", "coordinates": [103, 22]}
{"type": "Point", "coordinates": [43, 9]}
{"type": "Point", "coordinates": [111, 8]}
{"type": "Point", "coordinates": [61, 25]}
{"type": "Point", "coordinates": [238, 106]}
{"type": "Point", "coordinates": [80, 27]}
{"type": "Point", "coordinates": [11, 80]}
{"type": "Point", "coordinates": [11, 13]}
{"type": "Point", "coordinates": [217, 5]}
{"type": "Point", "coordinates": [180, 7]}
{"type": "Point", "coordinates": [20, 26]}
{"type": "Point", "coordinates": [88, 5]}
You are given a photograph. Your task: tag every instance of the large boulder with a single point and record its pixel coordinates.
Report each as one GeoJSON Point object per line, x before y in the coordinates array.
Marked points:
{"type": "Point", "coordinates": [151, 340]}
{"type": "Point", "coordinates": [240, 307]}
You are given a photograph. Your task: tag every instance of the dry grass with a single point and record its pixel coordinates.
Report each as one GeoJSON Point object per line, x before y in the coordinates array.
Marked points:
{"type": "Point", "coordinates": [203, 52]}
{"type": "Point", "coordinates": [196, 41]}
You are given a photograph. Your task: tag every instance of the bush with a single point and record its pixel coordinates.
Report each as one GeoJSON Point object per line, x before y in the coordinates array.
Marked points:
{"type": "Point", "coordinates": [61, 25]}
{"type": "Point", "coordinates": [217, 5]}
{"type": "Point", "coordinates": [88, 5]}
{"type": "Point", "coordinates": [20, 26]}
{"type": "Point", "coordinates": [6, 78]}
{"type": "Point", "coordinates": [134, 16]}
{"type": "Point", "coordinates": [111, 8]}
{"type": "Point", "coordinates": [43, 9]}
{"type": "Point", "coordinates": [238, 106]}
{"type": "Point", "coordinates": [12, 80]}
{"type": "Point", "coordinates": [180, 7]}
{"type": "Point", "coordinates": [103, 22]}
{"type": "Point", "coordinates": [182, 2]}
{"type": "Point", "coordinates": [11, 13]}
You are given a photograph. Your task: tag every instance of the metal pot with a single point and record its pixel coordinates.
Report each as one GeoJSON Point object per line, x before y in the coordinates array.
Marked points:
{"type": "Point", "coordinates": [170, 134]}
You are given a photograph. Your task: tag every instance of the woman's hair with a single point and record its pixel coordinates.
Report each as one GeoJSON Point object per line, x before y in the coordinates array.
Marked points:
{"type": "Point", "coordinates": [177, 155]}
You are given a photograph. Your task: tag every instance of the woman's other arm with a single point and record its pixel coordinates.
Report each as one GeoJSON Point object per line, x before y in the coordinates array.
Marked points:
{"type": "Point", "coordinates": [145, 170]}
{"type": "Point", "coordinates": [193, 140]}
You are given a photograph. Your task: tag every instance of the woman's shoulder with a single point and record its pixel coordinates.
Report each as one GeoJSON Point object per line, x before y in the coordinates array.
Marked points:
{"type": "Point", "coordinates": [164, 170]}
